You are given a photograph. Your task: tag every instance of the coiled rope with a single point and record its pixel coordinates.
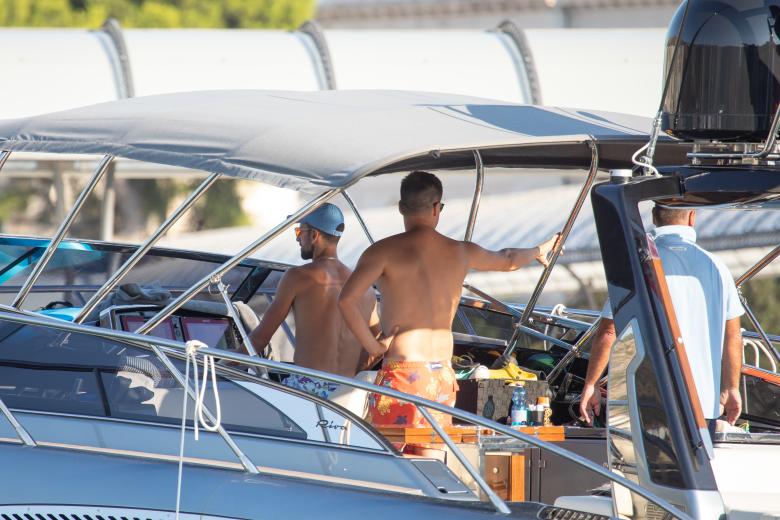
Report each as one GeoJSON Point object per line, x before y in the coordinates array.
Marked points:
{"type": "Point", "coordinates": [558, 310]}
{"type": "Point", "coordinates": [198, 419]}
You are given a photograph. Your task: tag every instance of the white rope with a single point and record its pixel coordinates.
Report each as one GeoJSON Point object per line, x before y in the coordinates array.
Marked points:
{"type": "Point", "coordinates": [558, 310]}
{"type": "Point", "coordinates": [197, 415]}
{"type": "Point", "coordinates": [644, 161]}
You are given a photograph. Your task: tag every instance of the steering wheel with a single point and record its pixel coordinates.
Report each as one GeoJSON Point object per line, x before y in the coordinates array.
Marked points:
{"type": "Point", "coordinates": [57, 304]}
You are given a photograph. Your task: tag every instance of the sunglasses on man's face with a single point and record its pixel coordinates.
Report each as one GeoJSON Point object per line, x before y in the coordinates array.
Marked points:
{"type": "Point", "coordinates": [441, 205]}
{"type": "Point", "coordinates": [300, 230]}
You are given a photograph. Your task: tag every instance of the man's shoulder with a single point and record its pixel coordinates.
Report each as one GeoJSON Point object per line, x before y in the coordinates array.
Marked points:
{"type": "Point", "coordinates": [301, 273]}
{"type": "Point", "coordinates": [713, 258]}
{"type": "Point", "coordinates": [706, 259]}
{"type": "Point", "coordinates": [390, 243]}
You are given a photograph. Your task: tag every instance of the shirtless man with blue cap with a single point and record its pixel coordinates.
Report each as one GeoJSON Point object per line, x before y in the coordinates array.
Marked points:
{"type": "Point", "coordinates": [322, 340]}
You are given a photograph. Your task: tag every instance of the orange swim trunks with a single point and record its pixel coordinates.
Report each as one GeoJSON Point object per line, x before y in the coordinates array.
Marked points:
{"type": "Point", "coordinates": [430, 380]}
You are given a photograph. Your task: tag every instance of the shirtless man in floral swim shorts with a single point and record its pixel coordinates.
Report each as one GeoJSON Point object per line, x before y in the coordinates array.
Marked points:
{"type": "Point", "coordinates": [420, 274]}
{"type": "Point", "coordinates": [323, 341]}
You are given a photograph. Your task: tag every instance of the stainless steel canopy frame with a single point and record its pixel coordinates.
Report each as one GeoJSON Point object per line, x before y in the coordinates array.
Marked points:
{"type": "Point", "coordinates": [23, 434]}
{"type": "Point", "coordinates": [145, 247]}
{"type": "Point", "coordinates": [499, 504]}
{"type": "Point", "coordinates": [556, 252]}
{"type": "Point", "coordinates": [60, 234]}
{"type": "Point", "coordinates": [758, 267]}
{"type": "Point", "coordinates": [746, 277]}
{"type": "Point", "coordinates": [358, 216]}
{"type": "Point", "coordinates": [235, 260]}
{"type": "Point", "coordinates": [246, 462]}
{"type": "Point", "coordinates": [162, 347]}
{"type": "Point", "coordinates": [3, 158]}
{"type": "Point", "coordinates": [480, 167]}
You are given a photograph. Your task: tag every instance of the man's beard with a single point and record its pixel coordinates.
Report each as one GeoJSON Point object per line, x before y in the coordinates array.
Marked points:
{"type": "Point", "coordinates": [307, 254]}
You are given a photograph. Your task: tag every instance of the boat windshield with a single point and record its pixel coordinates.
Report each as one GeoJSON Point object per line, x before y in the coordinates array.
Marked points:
{"type": "Point", "coordinates": [51, 370]}
{"type": "Point", "coordinates": [78, 269]}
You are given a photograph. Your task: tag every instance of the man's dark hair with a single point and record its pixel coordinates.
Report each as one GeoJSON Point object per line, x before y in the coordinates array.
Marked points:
{"type": "Point", "coordinates": [419, 192]}
{"type": "Point", "coordinates": [666, 216]}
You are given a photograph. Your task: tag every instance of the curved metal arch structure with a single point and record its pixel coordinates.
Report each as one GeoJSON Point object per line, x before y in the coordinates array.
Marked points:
{"type": "Point", "coordinates": [313, 30]}
{"type": "Point", "coordinates": [517, 36]}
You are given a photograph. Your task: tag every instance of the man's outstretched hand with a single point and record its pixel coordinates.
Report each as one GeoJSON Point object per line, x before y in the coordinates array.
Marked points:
{"type": "Point", "coordinates": [545, 248]}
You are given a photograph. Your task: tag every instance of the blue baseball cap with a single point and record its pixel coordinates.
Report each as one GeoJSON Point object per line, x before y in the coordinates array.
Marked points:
{"type": "Point", "coordinates": [328, 218]}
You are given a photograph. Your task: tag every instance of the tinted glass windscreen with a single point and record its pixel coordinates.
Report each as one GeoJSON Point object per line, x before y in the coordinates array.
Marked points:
{"type": "Point", "coordinates": [76, 270]}
{"type": "Point", "coordinates": [47, 369]}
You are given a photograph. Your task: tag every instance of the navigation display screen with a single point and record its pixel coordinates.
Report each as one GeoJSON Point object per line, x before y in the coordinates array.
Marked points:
{"type": "Point", "coordinates": [210, 331]}
{"type": "Point", "coordinates": [163, 330]}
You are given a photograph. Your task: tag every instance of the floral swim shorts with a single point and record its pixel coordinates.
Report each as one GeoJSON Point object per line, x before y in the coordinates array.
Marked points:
{"type": "Point", "coordinates": [313, 386]}
{"type": "Point", "coordinates": [429, 380]}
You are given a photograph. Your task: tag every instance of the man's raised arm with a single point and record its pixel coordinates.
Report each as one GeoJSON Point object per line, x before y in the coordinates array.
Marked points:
{"type": "Point", "coordinates": [368, 270]}
{"type": "Point", "coordinates": [276, 312]}
{"type": "Point", "coordinates": [508, 259]}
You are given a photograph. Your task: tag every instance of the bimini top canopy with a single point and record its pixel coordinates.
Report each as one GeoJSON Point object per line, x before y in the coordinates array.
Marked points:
{"type": "Point", "coordinates": [326, 139]}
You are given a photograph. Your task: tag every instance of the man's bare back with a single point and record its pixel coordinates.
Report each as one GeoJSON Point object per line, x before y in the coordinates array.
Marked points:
{"type": "Point", "coordinates": [322, 339]}
{"type": "Point", "coordinates": [311, 291]}
{"type": "Point", "coordinates": [420, 273]}
{"type": "Point", "coordinates": [421, 286]}
{"type": "Point", "coordinates": [420, 276]}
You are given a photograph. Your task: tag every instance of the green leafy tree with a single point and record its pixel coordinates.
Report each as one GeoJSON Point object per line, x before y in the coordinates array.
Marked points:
{"type": "Point", "coordinates": [219, 206]}
{"type": "Point", "coordinates": [280, 14]}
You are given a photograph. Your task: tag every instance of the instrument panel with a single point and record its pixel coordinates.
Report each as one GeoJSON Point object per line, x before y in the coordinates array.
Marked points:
{"type": "Point", "coordinates": [214, 331]}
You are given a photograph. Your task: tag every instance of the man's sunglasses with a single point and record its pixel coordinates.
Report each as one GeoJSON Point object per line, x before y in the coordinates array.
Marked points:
{"type": "Point", "coordinates": [300, 230]}
{"type": "Point", "coordinates": [441, 205]}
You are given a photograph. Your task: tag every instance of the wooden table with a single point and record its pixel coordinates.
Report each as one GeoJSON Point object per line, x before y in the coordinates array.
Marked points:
{"type": "Point", "coordinates": [504, 471]}
{"type": "Point", "coordinates": [462, 434]}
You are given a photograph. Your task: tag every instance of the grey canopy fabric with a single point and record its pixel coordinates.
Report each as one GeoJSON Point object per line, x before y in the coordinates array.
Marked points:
{"type": "Point", "coordinates": [323, 139]}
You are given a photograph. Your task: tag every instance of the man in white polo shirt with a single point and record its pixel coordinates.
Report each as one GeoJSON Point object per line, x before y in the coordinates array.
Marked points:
{"type": "Point", "coordinates": [708, 309]}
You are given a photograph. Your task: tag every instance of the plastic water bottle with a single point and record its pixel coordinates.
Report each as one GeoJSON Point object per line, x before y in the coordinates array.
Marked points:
{"type": "Point", "coordinates": [519, 410]}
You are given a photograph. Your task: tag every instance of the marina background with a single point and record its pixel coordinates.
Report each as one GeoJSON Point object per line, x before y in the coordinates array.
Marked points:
{"type": "Point", "coordinates": [592, 54]}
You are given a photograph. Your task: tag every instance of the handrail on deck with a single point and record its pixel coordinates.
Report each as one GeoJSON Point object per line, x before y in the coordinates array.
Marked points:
{"type": "Point", "coordinates": [567, 227]}
{"type": "Point", "coordinates": [21, 431]}
{"type": "Point", "coordinates": [161, 347]}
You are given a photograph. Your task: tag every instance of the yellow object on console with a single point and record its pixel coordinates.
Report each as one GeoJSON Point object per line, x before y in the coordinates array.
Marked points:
{"type": "Point", "coordinates": [512, 371]}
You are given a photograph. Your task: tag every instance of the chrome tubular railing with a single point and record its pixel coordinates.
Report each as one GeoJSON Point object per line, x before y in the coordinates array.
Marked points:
{"type": "Point", "coordinates": [499, 504]}
{"type": "Point", "coordinates": [541, 312]}
{"type": "Point", "coordinates": [759, 329]}
{"type": "Point", "coordinates": [567, 227]}
{"type": "Point", "coordinates": [758, 267]}
{"type": "Point", "coordinates": [61, 231]}
{"type": "Point", "coordinates": [21, 432]}
{"type": "Point", "coordinates": [4, 155]}
{"type": "Point", "coordinates": [162, 347]}
{"type": "Point", "coordinates": [480, 183]}
{"type": "Point", "coordinates": [746, 277]}
{"type": "Point", "coordinates": [237, 259]}
{"type": "Point", "coordinates": [246, 462]}
{"type": "Point", "coordinates": [358, 216]}
{"type": "Point", "coordinates": [144, 248]}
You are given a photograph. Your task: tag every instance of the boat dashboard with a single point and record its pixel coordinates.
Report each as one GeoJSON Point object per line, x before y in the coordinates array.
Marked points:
{"type": "Point", "coordinates": [216, 331]}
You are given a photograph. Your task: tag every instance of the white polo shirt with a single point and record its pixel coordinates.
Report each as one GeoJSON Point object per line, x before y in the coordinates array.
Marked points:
{"type": "Point", "coordinates": [704, 298]}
